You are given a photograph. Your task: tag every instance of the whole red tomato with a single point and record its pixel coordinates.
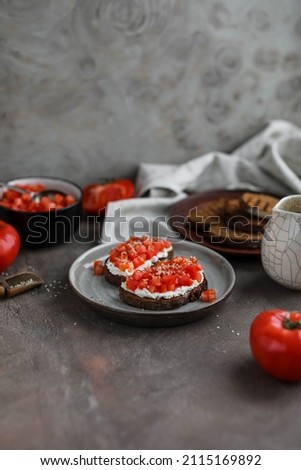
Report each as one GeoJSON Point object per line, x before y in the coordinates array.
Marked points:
{"type": "Point", "coordinates": [275, 340]}
{"type": "Point", "coordinates": [9, 245]}
{"type": "Point", "coordinates": [97, 195]}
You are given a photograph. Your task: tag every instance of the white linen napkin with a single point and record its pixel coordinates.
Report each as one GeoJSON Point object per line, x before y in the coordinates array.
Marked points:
{"type": "Point", "coordinates": [269, 161]}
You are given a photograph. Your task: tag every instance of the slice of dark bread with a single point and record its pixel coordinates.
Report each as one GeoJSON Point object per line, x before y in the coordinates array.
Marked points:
{"type": "Point", "coordinates": [205, 214]}
{"type": "Point", "coordinates": [116, 279]}
{"type": "Point", "coordinates": [220, 233]}
{"type": "Point", "coordinates": [245, 223]}
{"type": "Point", "coordinates": [147, 303]}
{"type": "Point", "coordinates": [264, 203]}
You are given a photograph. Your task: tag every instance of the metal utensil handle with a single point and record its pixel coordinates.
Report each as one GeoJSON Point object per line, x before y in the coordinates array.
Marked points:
{"type": "Point", "coordinates": [14, 188]}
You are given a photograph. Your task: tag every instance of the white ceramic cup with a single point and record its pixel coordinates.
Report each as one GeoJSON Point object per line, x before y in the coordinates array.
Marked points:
{"type": "Point", "coordinates": [281, 244]}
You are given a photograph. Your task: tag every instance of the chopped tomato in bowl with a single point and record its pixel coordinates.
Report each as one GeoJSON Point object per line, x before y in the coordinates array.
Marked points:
{"type": "Point", "coordinates": [46, 222]}
{"type": "Point", "coordinates": [15, 200]}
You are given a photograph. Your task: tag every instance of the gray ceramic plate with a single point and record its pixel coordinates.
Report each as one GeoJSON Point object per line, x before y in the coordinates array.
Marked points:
{"type": "Point", "coordinates": [103, 296]}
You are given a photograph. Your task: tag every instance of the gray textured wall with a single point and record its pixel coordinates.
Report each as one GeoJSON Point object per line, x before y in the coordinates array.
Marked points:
{"type": "Point", "coordinates": [92, 87]}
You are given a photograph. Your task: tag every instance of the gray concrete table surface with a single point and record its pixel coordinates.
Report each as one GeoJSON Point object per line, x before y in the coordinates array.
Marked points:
{"type": "Point", "coordinates": [70, 379]}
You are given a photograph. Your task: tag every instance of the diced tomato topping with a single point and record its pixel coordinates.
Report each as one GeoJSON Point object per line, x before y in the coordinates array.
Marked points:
{"type": "Point", "coordinates": [152, 289]}
{"type": "Point", "coordinates": [155, 281]}
{"type": "Point", "coordinates": [131, 283]}
{"type": "Point", "coordinates": [136, 262]}
{"type": "Point", "coordinates": [136, 251]}
{"type": "Point", "coordinates": [141, 249]}
{"type": "Point", "coordinates": [192, 270]}
{"type": "Point", "coordinates": [166, 276]}
{"type": "Point", "coordinates": [126, 265]}
{"type": "Point", "coordinates": [138, 275]}
{"type": "Point", "coordinates": [185, 280]}
{"type": "Point", "coordinates": [208, 295]}
{"type": "Point", "coordinates": [23, 202]}
{"type": "Point", "coordinates": [98, 267]}
{"type": "Point", "coordinates": [163, 289]}
{"type": "Point", "coordinates": [143, 284]}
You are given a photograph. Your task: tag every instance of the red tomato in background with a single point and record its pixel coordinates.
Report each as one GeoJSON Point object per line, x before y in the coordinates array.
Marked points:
{"type": "Point", "coordinates": [9, 245]}
{"type": "Point", "coordinates": [97, 195]}
{"type": "Point", "coordinates": [275, 340]}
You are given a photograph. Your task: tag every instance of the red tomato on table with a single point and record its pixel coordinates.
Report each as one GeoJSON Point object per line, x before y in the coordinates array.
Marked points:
{"type": "Point", "coordinates": [97, 195]}
{"type": "Point", "coordinates": [275, 340]}
{"type": "Point", "coordinates": [9, 245]}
